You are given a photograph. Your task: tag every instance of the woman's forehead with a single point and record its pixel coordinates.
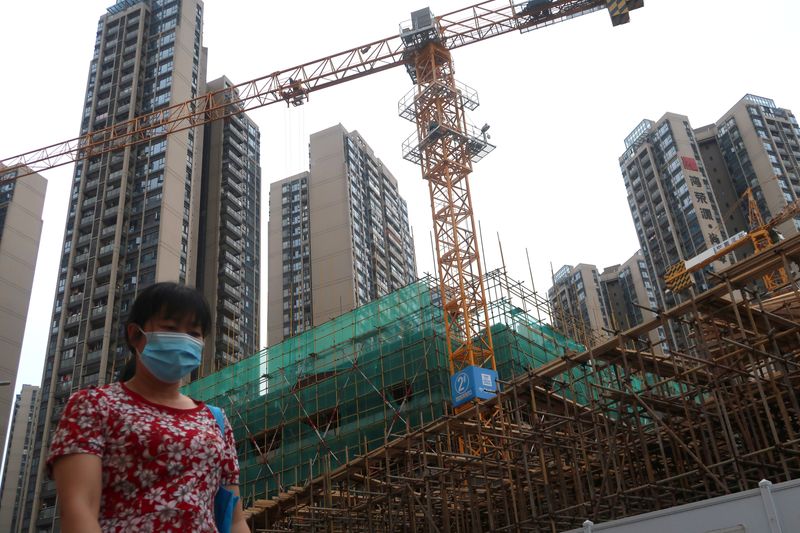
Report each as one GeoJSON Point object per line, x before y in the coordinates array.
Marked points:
{"type": "Point", "coordinates": [167, 315]}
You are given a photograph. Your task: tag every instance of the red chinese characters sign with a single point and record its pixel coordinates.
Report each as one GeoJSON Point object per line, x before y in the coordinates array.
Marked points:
{"type": "Point", "coordinates": [689, 163]}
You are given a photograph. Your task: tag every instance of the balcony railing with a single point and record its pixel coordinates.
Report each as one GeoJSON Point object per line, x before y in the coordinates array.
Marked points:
{"type": "Point", "coordinates": [230, 308]}
{"type": "Point", "coordinates": [64, 388]}
{"type": "Point", "coordinates": [47, 513]}
{"type": "Point", "coordinates": [235, 231]}
{"type": "Point", "coordinates": [103, 270]}
{"type": "Point", "coordinates": [101, 291]}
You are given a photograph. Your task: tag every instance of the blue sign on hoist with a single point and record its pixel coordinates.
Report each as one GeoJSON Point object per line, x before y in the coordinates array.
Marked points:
{"type": "Point", "coordinates": [471, 383]}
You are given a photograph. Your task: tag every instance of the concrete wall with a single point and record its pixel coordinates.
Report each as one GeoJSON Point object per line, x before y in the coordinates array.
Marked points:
{"type": "Point", "coordinates": [767, 509]}
{"type": "Point", "coordinates": [330, 230]}
{"type": "Point", "coordinates": [19, 247]}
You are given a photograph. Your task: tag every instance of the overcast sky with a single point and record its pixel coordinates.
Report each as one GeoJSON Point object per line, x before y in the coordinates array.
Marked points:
{"type": "Point", "coordinates": [559, 102]}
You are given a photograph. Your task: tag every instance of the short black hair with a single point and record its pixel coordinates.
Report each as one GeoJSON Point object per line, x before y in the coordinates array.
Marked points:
{"type": "Point", "coordinates": [168, 299]}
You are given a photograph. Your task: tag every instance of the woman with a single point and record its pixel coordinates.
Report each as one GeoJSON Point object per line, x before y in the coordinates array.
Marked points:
{"type": "Point", "coordinates": [139, 456]}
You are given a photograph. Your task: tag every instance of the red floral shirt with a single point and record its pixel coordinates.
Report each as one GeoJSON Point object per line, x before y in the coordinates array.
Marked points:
{"type": "Point", "coordinates": [161, 466]}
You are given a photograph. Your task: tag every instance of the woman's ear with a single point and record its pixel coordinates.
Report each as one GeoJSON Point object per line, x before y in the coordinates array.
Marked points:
{"type": "Point", "coordinates": [136, 337]}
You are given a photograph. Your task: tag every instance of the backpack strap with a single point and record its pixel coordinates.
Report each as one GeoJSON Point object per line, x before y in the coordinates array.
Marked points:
{"type": "Point", "coordinates": [218, 416]}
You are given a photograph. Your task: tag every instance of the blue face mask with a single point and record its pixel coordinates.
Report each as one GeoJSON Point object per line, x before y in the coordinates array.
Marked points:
{"type": "Point", "coordinates": [170, 356]}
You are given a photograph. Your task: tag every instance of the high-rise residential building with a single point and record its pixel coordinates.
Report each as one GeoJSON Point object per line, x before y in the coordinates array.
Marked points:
{"type": "Point", "coordinates": [229, 249]}
{"type": "Point", "coordinates": [21, 206]}
{"type": "Point", "coordinates": [672, 202]}
{"type": "Point", "coordinates": [755, 145]}
{"type": "Point", "coordinates": [145, 214]}
{"type": "Point", "coordinates": [630, 296]}
{"type": "Point", "coordinates": [18, 454]}
{"type": "Point", "coordinates": [338, 235]}
{"type": "Point", "coordinates": [591, 306]}
{"type": "Point", "coordinates": [577, 302]}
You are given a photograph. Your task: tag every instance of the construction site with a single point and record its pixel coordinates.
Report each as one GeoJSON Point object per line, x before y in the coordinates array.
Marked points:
{"type": "Point", "coordinates": [453, 404]}
{"type": "Point", "coordinates": [348, 427]}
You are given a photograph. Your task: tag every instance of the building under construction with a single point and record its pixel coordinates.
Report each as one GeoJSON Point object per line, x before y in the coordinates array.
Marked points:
{"type": "Point", "coordinates": [348, 427]}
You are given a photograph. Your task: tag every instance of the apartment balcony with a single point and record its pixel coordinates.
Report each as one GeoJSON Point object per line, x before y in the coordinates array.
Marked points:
{"type": "Point", "coordinates": [78, 278]}
{"type": "Point", "coordinates": [230, 309]}
{"type": "Point", "coordinates": [68, 342]}
{"type": "Point", "coordinates": [103, 271]}
{"type": "Point", "coordinates": [233, 173]}
{"type": "Point", "coordinates": [97, 311]}
{"type": "Point", "coordinates": [75, 299]}
{"type": "Point", "coordinates": [96, 335]}
{"type": "Point", "coordinates": [226, 341]}
{"type": "Point", "coordinates": [111, 212]}
{"type": "Point", "coordinates": [230, 276]}
{"type": "Point", "coordinates": [235, 158]}
{"type": "Point", "coordinates": [63, 388]}
{"type": "Point", "coordinates": [58, 410]}
{"type": "Point", "coordinates": [114, 177]}
{"type": "Point", "coordinates": [89, 202]}
{"type": "Point", "coordinates": [86, 221]}
{"type": "Point", "coordinates": [108, 231]}
{"type": "Point", "coordinates": [101, 291]}
{"type": "Point", "coordinates": [230, 325]}
{"type": "Point", "coordinates": [229, 242]}
{"type": "Point", "coordinates": [111, 194]}
{"type": "Point", "coordinates": [66, 365]}
{"type": "Point", "coordinates": [236, 131]}
{"type": "Point", "coordinates": [93, 357]}
{"type": "Point", "coordinates": [49, 487]}
{"type": "Point", "coordinates": [91, 185]}
{"type": "Point", "coordinates": [84, 239]}
{"type": "Point", "coordinates": [234, 215]}
{"type": "Point", "coordinates": [47, 514]}
{"type": "Point", "coordinates": [73, 319]}
{"type": "Point", "coordinates": [233, 230]}
{"type": "Point", "coordinates": [232, 259]}
{"type": "Point", "coordinates": [231, 292]}
{"type": "Point", "coordinates": [107, 249]}
{"type": "Point", "coordinates": [234, 189]}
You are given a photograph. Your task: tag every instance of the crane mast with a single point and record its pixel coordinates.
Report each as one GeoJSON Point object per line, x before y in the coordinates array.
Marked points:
{"type": "Point", "coordinates": [445, 146]}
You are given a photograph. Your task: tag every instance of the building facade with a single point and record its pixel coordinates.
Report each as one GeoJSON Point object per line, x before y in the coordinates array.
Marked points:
{"type": "Point", "coordinates": [18, 454]}
{"type": "Point", "coordinates": [338, 235]}
{"type": "Point", "coordinates": [577, 303]}
{"type": "Point", "coordinates": [229, 248]}
{"type": "Point", "coordinates": [672, 202]}
{"type": "Point", "coordinates": [592, 307]}
{"type": "Point", "coordinates": [630, 296]}
{"type": "Point", "coordinates": [21, 206]}
{"type": "Point", "coordinates": [756, 146]}
{"type": "Point", "coordinates": [145, 214]}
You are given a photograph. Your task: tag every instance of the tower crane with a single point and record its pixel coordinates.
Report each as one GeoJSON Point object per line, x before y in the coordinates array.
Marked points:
{"type": "Point", "coordinates": [678, 277]}
{"type": "Point", "coordinates": [445, 144]}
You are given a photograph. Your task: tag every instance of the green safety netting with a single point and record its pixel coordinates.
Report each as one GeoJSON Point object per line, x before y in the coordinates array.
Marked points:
{"type": "Point", "coordinates": [342, 388]}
